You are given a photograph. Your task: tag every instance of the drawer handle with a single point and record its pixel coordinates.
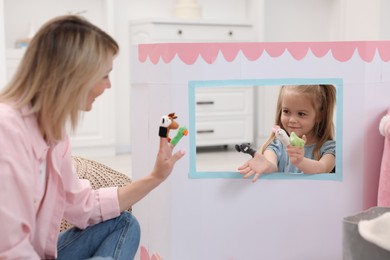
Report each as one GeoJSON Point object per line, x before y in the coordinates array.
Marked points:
{"type": "Point", "coordinates": [205, 131]}
{"type": "Point", "coordinates": [205, 103]}
{"type": "Point", "coordinates": [230, 33]}
{"type": "Point", "coordinates": [179, 32]}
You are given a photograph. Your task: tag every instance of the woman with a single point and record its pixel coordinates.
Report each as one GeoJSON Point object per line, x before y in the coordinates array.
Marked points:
{"type": "Point", "coordinates": [65, 68]}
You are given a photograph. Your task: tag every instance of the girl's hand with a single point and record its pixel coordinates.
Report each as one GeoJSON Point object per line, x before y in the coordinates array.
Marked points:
{"type": "Point", "coordinates": [296, 153]}
{"type": "Point", "coordinates": [255, 166]}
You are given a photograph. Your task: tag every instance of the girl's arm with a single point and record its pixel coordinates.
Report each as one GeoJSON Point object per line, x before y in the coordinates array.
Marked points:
{"type": "Point", "coordinates": [259, 164]}
{"type": "Point", "coordinates": [310, 166]}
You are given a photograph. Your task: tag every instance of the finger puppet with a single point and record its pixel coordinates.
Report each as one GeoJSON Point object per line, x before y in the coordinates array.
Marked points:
{"type": "Point", "coordinates": [282, 136]}
{"type": "Point", "coordinates": [245, 148]}
{"type": "Point", "coordinates": [384, 177]}
{"type": "Point", "coordinates": [179, 135]}
{"type": "Point", "coordinates": [295, 140]}
{"type": "Point", "coordinates": [167, 123]}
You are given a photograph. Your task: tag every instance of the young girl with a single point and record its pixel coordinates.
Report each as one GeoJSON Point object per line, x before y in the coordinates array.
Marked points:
{"type": "Point", "coordinates": [308, 111]}
{"type": "Point", "coordinates": [65, 68]}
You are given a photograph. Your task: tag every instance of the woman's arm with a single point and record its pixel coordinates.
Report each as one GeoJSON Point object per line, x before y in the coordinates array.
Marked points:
{"type": "Point", "coordinates": [133, 192]}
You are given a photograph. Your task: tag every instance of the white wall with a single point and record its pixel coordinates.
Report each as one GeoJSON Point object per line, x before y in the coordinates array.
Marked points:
{"type": "Point", "coordinates": [300, 20]}
{"type": "Point", "coordinates": [362, 19]}
{"type": "Point", "coordinates": [19, 14]}
{"type": "Point", "coordinates": [384, 22]}
{"type": "Point", "coordinates": [326, 20]}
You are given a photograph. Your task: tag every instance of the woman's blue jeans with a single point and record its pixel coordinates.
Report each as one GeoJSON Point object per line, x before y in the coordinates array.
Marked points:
{"type": "Point", "coordinates": [116, 238]}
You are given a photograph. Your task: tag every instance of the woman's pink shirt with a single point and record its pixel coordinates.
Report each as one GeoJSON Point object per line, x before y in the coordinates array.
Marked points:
{"type": "Point", "coordinates": [31, 208]}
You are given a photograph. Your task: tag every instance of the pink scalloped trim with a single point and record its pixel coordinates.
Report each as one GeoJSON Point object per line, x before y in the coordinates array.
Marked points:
{"type": "Point", "coordinates": [190, 52]}
{"type": "Point", "coordinates": [144, 255]}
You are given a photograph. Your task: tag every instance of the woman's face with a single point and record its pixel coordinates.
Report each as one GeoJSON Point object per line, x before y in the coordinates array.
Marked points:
{"type": "Point", "coordinates": [101, 85]}
{"type": "Point", "coordinates": [298, 115]}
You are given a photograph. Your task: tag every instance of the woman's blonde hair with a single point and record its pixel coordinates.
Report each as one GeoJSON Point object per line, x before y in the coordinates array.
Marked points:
{"type": "Point", "coordinates": [323, 99]}
{"type": "Point", "coordinates": [61, 64]}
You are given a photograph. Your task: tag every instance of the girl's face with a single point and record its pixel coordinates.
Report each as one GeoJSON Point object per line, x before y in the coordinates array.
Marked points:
{"type": "Point", "coordinates": [298, 115]}
{"type": "Point", "coordinates": [100, 86]}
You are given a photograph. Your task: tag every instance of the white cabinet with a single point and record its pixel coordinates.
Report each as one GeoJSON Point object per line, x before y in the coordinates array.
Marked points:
{"type": "Point", "coordinates": [224, 116]}
{"type": "Point", "coordinates": [95, 135]}
{"type": "Point", "coordinates": [179, 30]}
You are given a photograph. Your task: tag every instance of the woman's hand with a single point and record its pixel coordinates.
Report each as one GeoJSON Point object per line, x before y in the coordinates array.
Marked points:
{"type": "Point", "coordinates": [165, 160]}
{"type": "Point", "coordinates": [131, 193]}
{"type": "Point", "coordinates": [255, 166]}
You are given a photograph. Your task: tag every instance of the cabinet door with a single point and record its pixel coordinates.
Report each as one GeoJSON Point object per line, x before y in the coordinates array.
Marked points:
{"type": "Point", "coordinates": [201, 33]}
{"type": "Point", "coordinates": [224, 116]}
{"type": "Point", "coordinates": [157, 31]}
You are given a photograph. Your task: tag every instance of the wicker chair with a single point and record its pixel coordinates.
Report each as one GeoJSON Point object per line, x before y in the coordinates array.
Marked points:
{"type": "Point", "coordinates": [99, 175]}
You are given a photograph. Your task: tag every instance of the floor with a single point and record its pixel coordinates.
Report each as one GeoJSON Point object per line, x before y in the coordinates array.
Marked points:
{"type": "Point", "coordinates": [219, 159]}
{"type": "Point", "coordinates": [208, 159]}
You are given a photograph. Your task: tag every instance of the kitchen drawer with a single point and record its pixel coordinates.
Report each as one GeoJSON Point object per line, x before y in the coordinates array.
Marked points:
{"type": "Point", "coordinates": [211, 131]}
{"type": "Point", "coordinates": [176, 30]}
{"type": "Point", "coordinates": [224, 101]}
{"type": "Point", "coordinates": [199, 33]}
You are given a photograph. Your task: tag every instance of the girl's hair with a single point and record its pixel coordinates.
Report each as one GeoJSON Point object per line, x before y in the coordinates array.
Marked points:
{"type": "Point", "coordinates": [323, 100]}
{"type": "Point", "coordinates": [63, 61]}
